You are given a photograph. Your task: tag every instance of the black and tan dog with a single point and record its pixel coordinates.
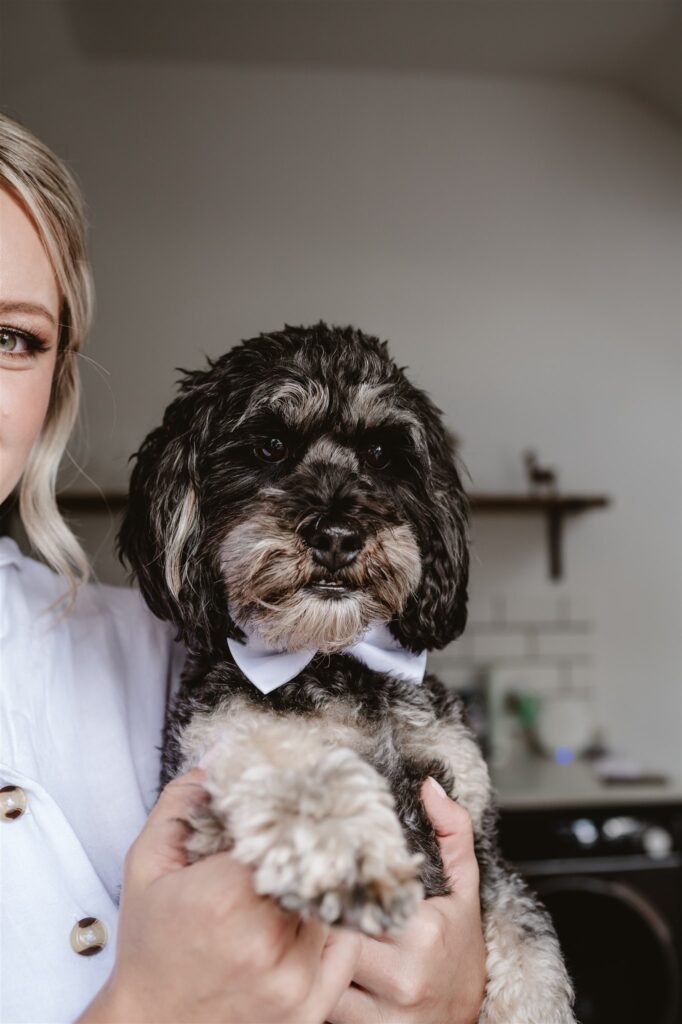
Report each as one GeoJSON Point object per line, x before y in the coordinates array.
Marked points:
{"type": "Point", "coordinates": [300, 493]}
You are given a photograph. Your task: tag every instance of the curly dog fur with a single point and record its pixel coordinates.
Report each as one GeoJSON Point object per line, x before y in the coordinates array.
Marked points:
{"type": "Point", "coordinates": [303, 488]}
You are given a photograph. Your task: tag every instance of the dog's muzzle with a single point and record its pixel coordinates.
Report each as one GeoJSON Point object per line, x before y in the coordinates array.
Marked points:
{"type": "Point", "coordinates": [333, 545]}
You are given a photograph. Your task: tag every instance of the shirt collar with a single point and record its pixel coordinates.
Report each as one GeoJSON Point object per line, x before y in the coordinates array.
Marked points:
{"type": "Point", "coordinates": [10, 553]}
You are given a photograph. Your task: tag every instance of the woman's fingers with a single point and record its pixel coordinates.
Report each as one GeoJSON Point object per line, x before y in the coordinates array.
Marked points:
{"type": "Point", "coordinates": [378, 961]}
{"type": "Point", "coordinates": [160, 847]}
{"type": "Point", "coordinates": [309, 980]}
{"type": "Point", "coordinates": [339, 963]}
{"type": "Point", "coordinates": [453, 828]}
{"type": "Point", "coordinates": [396, 972]}
{"type": "Point", "coordinates": [182, 791]}
{"type": "Point", "coordinates": [357, 1007]}
{"type": "Point", "coordinates": [397, 969]}
{"type": "Point", "coordinates": [306, 942]}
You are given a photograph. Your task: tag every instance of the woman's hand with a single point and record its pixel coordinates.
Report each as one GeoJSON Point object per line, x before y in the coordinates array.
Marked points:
{"type": "Point", "coordinates": [195, 942]}
{"type": "Point", "coordinates": [435, 970]}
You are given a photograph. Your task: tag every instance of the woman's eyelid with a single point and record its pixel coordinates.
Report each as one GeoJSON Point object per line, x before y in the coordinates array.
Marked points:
{"type": "Point", "coordinates": [18, 336]}
{"type": "Point", "coordinates": [32, 339]}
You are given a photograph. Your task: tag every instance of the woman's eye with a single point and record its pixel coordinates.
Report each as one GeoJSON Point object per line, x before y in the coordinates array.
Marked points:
{"type": "Point", "coordinates": [19, 344]}
{"type": "Point", "coordinates": [377, 456]}
{"type": "Point", "coordinates": [274, 450]}
{"type": "Point", "coordinates": [12, 343]}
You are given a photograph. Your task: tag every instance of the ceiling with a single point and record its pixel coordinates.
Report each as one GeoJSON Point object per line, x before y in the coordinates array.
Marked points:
{"type": "Point", "coordinates": [631, 45]}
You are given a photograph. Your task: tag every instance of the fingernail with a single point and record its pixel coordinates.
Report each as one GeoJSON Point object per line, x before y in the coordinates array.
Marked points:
{"type": "Point", "coordinates": [437, 787]}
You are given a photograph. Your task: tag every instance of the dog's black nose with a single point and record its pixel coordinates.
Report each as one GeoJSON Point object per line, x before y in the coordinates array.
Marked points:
{"type": "Point", "coordinates": [334, 545]}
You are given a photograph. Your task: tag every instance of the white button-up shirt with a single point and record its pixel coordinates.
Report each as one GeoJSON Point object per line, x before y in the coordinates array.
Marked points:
{"type": "Point", "coordinates": [82, 701]}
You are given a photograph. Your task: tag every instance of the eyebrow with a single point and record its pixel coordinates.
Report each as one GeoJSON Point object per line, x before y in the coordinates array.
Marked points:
{"type": "Point", "coordinates": [296, 404]}
{"type": "Point", "coordinates": [28, 307]}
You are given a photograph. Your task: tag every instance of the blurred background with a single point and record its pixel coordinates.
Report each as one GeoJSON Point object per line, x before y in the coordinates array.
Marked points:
{"type": "Point", "coordinates": [496, 189]}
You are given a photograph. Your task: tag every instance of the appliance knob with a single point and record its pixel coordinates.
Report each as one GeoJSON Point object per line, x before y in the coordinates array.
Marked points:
{"type": "Point", "coordinates": [657, 842]}
{"type": "Point", "coordinates": [584, 831]}
{"type": "Point", "coordinates": [622, 827]}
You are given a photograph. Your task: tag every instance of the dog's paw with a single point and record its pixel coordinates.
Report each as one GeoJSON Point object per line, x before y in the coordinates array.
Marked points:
{"type": "Point", "coordinates": [372, 905]}
{"type": "Point", "coordinates": [327, 843]}
{"type": "Point", "coordinates": [316, 822]}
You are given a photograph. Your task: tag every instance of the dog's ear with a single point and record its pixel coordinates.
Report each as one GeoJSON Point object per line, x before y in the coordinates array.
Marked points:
{"type": "Point", "coordinates": [436, 613]}
{"type": "Point", "coordinates": [161, 537]}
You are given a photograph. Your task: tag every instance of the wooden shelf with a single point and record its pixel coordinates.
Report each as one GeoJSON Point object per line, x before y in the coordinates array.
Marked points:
{"type": "Point", "coordinates": [568, 503]}
{"type": "Point", "coordinates": [554, 507]}
{"type": "Point", "coordinates": [95, 502]}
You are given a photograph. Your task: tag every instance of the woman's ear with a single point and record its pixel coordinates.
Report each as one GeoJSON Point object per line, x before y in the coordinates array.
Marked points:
{"type": "Point", "coordinates": [435, 614]}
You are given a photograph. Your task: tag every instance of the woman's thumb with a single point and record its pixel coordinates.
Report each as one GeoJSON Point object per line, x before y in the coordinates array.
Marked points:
{"type": "Point", "coordinates": [454, 830]}
{"type": "Point", "coordinates": [160, 846]}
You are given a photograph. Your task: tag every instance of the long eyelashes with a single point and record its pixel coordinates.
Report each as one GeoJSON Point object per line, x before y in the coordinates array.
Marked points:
{"type": "Point", "coordinates": [17, 344]}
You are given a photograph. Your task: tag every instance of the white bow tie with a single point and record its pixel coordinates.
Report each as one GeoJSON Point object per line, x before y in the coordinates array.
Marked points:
{"type": "Point", "coordinates": [267, 667]}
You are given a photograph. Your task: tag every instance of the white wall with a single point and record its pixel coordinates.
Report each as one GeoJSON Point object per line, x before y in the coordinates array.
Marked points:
{"type": "Point", "coordinates": [518, 242]}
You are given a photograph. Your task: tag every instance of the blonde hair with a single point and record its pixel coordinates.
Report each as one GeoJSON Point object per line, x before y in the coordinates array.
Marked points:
{"type": "Point", "coordinates": [53, 200]}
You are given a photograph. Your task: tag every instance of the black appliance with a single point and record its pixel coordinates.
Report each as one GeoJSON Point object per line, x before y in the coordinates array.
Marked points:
{"type": "Point", "coordinates": [611, 877]}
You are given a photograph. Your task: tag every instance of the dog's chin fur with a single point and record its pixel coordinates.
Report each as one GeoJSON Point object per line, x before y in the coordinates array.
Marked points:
{"type": "Point", "coordinates": [268, 572]}
{"type": "Point", "coordinates": [306, 620]}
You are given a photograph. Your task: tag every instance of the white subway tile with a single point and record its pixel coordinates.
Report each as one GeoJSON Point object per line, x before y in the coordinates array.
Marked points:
{"type": "Point", "coordinates": [536, 679]}
{"type": "Point", "coordinates": [527, 608]}
{"type": "Point", "coordinates": [461, 648]}
{"type": "Point", "coordinates": [491, 646]}
{"type": "Point", "coordinates": [581, 607]}
{"type": "Point", "coordinates": [581, 679]}
{"type": "Point", "coordinates": [564, 644]}
{"type": "Point", "coordinates": [486, 608]}
{"type": "Point", "coordinates": [456, 678]}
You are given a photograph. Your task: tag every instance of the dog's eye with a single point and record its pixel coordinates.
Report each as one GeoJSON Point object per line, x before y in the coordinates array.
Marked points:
{"type": "Point", "coordinates": [376, 456]}
{"type": "Point", "coordinates": [274, 450]}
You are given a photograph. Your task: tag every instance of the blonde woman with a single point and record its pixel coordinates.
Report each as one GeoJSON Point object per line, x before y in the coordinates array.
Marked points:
{"type": "Point", "coordinates": [85, 672]}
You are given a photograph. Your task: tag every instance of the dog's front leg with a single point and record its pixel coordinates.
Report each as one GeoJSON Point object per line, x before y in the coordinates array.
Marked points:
{"type": "Point", "coordinates": [315, 821]}
{"type": "Point", "coordinates": [527, 979]}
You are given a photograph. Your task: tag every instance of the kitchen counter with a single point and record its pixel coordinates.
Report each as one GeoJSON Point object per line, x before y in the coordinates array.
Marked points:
{"type": "Point", "coordinates": [528, 783]}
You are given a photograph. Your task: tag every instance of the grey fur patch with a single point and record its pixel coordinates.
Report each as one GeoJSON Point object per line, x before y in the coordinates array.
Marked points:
{"type": "Point", "coordinates": [299, 404]}
{"type": "Point", "coordinates": [330, 453]}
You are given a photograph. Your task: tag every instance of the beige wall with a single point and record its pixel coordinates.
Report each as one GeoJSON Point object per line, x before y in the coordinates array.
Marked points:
{"type": "Point", "coordinates": [517, 241]}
